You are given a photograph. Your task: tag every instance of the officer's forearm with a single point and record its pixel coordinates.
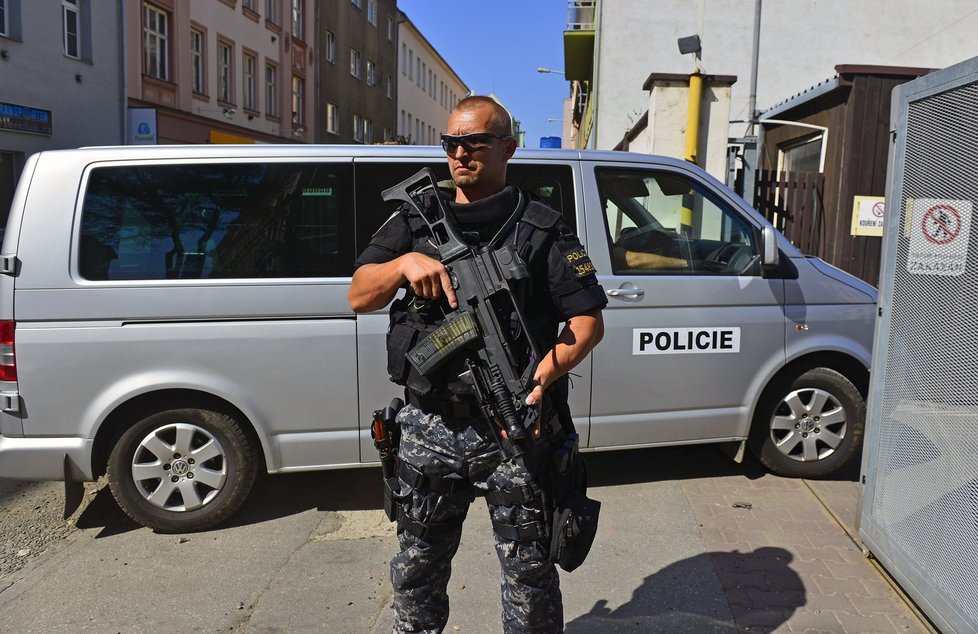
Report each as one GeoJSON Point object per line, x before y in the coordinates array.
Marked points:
{"type": "Point", "coordinates": [374, 285]}
{"type": "Point", "coordinates": [578, 337]}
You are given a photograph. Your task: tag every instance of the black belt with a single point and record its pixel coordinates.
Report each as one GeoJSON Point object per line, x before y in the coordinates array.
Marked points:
{"type": "Point", "coordinates": [433, 404]}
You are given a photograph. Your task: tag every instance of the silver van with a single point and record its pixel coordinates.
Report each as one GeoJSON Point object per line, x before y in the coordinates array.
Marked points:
{"type": "Point", "coordinates": [177, 317]}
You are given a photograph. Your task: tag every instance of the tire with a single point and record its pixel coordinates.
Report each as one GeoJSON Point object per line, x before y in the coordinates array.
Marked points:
{"type": "Point", "coordinates": [809, 425]}
{"type": "Point", "coordinates": [182, 470]}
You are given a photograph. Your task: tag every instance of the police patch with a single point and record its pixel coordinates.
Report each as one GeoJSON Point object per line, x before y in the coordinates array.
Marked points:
{"type": "Point", "coordinates": [580, 262]}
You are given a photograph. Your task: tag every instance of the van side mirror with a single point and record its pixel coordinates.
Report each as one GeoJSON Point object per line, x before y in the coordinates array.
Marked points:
{"type": "Point", "coordinates": [769, 248]}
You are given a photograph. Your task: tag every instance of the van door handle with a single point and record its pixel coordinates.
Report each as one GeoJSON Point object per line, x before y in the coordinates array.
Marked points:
{"type": "Point", "coordinates": [626, 293]}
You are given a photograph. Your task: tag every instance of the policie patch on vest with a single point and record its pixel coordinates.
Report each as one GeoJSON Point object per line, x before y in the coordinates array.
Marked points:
{"type": "Point", "coordinates": [580, 262]}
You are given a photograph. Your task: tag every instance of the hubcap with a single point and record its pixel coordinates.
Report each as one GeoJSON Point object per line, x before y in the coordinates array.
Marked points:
{"type": "Point", "coordinates": [179, 467]}
{"type": "Point", "coordinates": [808, 425]}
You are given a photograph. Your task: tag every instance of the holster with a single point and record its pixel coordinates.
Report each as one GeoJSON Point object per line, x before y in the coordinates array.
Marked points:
{"type": "Point", "coordinates": [575, 516]}
{"type": "Point", "coordinates": [386, 434]}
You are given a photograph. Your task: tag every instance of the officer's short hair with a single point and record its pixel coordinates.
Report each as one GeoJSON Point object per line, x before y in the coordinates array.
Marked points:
{"type": "Point", "coordinates": [501, 121]}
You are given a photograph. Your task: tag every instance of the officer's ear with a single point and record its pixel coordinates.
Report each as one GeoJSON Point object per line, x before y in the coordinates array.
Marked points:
{"type": "Point", "coordinates": [510, 148]}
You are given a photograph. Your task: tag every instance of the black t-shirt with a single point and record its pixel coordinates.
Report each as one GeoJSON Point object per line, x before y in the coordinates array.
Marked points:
{"type": "Point", "coordinates": [562, 286]}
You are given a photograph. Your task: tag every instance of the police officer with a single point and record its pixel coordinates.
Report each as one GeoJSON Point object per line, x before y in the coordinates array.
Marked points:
{"type": "Point", "coordinates": [447, 450]}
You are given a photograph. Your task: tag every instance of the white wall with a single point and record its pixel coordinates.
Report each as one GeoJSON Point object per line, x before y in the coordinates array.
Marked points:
{"type": "Point", "coordinates": [416, 100]}
{"type": "Point", "coordinates": [801, 43]}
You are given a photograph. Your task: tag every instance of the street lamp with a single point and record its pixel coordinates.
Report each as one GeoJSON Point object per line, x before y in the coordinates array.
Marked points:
{"type": "Point", "coordinates": [544, 69]}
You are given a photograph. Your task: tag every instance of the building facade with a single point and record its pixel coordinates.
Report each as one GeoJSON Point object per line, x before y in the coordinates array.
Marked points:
{"type": "Point", "coordinates": [220, 71]}
{"type": "Point", "coordinates": [61, 81]}
{"type": "Point", "coordinates": [357, 71]}
{"type": "Point", "coordinates": [427, 87]}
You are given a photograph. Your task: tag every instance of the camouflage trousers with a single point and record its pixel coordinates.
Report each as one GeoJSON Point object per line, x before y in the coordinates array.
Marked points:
{"type": "Point", "coordinates": [464, 449]}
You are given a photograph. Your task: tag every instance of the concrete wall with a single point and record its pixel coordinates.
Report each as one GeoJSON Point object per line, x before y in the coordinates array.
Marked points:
{"type": "Point", "coordinates": [417, 101]}
{"type": "Point", "coordinates": [801, 42]}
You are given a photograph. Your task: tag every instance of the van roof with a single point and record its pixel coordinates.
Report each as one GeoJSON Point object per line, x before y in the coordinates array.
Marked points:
{"type": "Point", "coordinates": [356, 151]}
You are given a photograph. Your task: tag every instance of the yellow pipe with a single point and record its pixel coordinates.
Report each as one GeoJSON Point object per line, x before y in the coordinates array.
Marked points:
{"type": "Point", "coordinates": [693, 116]}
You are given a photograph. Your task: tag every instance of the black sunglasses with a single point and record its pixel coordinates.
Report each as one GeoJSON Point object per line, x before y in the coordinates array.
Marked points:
{"type": "Point", "coordinates": [475, 142]}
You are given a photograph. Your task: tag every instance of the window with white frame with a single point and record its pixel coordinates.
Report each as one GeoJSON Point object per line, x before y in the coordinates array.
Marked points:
{"type": "Point", "coordinates": [332, 119]}
{"type": "Point", "coordinates": [417, 71]}
{"type": "Point", "coordinates": [358, 4]}
{"type": "Point", "coordinates": [250, 88]}
{"type": "Point", "coordinates": [298, 88]}
{"type": "Point", "coordinates": [355, 63]}
{"type": "Point", "coordinates": [372, 12]}
{"type": "Point", "coordinates": [368, 131]}
{"type": "Point", "coordinates": [271, 11]}
{"type": "Point", "coordinates": [390, 86]}
{"type": "Point", "coordinates": [225, 68]}
{"type": "Point", "coordinates": [297, 18]}
{"type": "Point", "coordinates": [410, 66]}
{"type": "Point", "coordinates": [803, 155]}
{"type": "Point", "coordinates": [271, 90]}
{"type": "Point", "coordinates": [197, 61]}
{"type": "Point", "coordinates": [390, 29]}
{"type": "Point", "coordinates": [250, 4]}
{"type": "Point", "coordinates": [371, 73]}
{"type": "Point", "coordinates": [357, 128]}
{"type": "Point", "coordinates": [4, 20]}
{"type": "Point", "coordinates": [70, 24]}
{"type": "Point", "coordinates": [156, 49]}
{"type": "Point", "coordinates": [330, 47]}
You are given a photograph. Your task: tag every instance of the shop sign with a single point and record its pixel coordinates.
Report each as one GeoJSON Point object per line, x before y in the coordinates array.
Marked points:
{"type": "Point", "coordinates": [25, 119]}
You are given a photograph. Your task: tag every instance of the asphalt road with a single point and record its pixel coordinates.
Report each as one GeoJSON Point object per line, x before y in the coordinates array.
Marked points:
{"type": "Point", "coordinates": [309, 552]}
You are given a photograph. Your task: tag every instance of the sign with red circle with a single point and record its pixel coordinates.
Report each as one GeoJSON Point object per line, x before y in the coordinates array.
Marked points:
{"type": "Point", "coordinates": [941, 224]}
{"type": "Point", "coordinates": [939, 232]}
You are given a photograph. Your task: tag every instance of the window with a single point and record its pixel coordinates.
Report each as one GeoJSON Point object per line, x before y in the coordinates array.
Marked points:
{"type": "Point", "coordinates": [298, 88]}
{"type": "Point", "coordinates": [357, 128]}
{"type": "Point", "coordinates": [371, 73]}
{"type": "Point", "coordinates": [271, 11]}
{"type": "Point", "coordinates": [358, 4]}
{"type": "Point", "coordinates": [390, 29]}
{"type": "Point", "coordinates": [212, 221]}
{"type": "Point", "coordinates": [332, 119]}
{"type": "Point", "coordinates": [417, 68]}
{"type": "Point", "coordinates": [225, 89]}
{"type": "Point", "coordinates": [410, 72]}
{"type": "Point", "coordinates": [390, 86]}
{"type": "Point", "coordinates": [4, 21]}
{"type": "Point", "coordinates": [355, 63]}
{"type": "Point", "coordinates": [297, 22]}
{"type": "Point", "coordinates": [197, 61]}
{"type": "Point", "coordinates": [372, 12]}
{"type": "Point", "coordinates": [661, 223]}
{"type": "Point", "coordinates": [330, 47]}
{"type": "Point", "coordinates": [70, 26]}
{"type": "Point", "coordinates": [251, 5]}
{"type": "Point", "coordinates": [156, 51]}
{"type": "Point", "coordinates": [250, 96]}
{"type": "Point", "coordinates": [368, 131]}
{"type": "Point", "coordinates": [271, 90]}
{"type": "Point", "coordinates": [801, 156]}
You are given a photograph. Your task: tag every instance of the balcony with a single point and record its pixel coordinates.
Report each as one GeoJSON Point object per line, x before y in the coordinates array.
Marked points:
{"type": "Point", "coordinates": [579, 40]}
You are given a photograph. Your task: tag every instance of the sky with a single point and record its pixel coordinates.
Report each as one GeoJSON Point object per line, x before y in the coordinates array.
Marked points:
{"type": "Point", "coordinates": [496, 46]}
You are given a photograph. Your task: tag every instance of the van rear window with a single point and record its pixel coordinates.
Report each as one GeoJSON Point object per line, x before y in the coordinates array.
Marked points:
{"type": "Point", "coordinates": [217, 221]}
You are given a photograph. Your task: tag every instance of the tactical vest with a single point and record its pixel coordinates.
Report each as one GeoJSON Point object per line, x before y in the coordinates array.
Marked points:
{"type": "Point", "coordinates": [413, 318]}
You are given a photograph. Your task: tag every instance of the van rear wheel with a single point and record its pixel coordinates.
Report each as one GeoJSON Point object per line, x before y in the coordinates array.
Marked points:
{"type": "Point", "coordinates": [809, 425]}
{"type": "Point", "coordinates": [182, 470]}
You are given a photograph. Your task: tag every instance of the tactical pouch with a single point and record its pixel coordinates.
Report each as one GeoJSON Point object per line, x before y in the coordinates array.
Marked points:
{"type": "Point", "coordinates": [406, 329]}
{"type": "Point", "coordinates": [575, 518]}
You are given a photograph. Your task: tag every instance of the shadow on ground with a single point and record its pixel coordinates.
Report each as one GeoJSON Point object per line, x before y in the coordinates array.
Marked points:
{"type": "Point", "coordinates": [360, 489]}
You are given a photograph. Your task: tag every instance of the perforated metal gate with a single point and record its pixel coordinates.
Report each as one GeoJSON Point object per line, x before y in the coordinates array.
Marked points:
{"type": "Point", "coordinates": [919, 513]}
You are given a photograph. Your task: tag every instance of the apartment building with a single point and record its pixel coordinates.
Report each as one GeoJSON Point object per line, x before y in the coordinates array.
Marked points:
{"type": "Point", "coordinates": [357, 69]}
{"type": "Point", "coordinates": [427, 87]}
{"type": "Point", "coordinates": [60, 81]}
{"type": "Point", "coordinates": [220, 71]}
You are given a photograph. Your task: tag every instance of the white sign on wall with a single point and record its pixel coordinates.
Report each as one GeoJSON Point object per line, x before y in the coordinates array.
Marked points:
{"type": "Point", "coordinates": [141, 126]}
{"type": "Point", "coordinates": [939, 233]}
{"type": "Point", "coordinates": [867, 215]}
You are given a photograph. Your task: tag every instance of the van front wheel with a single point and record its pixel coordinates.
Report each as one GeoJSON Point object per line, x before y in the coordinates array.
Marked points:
{"type": "Point", "coordinates": [182, 470]}
{"type": "Point", "coordinates": [809, 425]}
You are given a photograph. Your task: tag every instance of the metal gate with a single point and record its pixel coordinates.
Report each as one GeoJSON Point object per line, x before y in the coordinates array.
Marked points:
{"type": "Point", "coordinates": [919, 512]}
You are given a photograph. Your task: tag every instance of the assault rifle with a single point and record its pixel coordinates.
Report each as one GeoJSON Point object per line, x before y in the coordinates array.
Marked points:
{"type": "Point", "coordinates": [500, 358]}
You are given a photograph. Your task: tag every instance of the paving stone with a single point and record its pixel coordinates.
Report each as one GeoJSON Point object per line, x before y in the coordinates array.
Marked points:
{"type": "Point", "coordinates": [814, 621]}
{"type": "Point", "coordinates": [860, 624]}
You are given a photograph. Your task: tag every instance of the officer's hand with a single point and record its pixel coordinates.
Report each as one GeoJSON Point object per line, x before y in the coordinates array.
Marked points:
{"type": "Point", "coordinates": [428, 277]}
{"type": "Point", "coordinates": [536, 396]}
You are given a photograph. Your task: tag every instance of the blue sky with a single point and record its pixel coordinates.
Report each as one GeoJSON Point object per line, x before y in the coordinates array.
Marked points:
{"type": "Point", "coordinates": [496, 46]}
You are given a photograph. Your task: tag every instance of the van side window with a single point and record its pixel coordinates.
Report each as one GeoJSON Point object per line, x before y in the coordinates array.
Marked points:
{"type": "Point", "coordinates": [217, 221]}
{"type": "Point", "coordinates": [660, 223]}
{"type": "Point", "coordinates": [553, 184]}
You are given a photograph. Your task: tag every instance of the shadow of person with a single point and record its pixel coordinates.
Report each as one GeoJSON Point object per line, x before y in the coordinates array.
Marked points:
{"type": "Point", "coordinates": [711, 592]}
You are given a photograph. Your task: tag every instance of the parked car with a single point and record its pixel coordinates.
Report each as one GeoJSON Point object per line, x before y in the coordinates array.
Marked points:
{"type": "Point", "coordinates": [177, 317]}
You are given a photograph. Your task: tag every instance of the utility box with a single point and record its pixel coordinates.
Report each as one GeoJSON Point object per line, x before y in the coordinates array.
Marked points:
{"type": "Point", "coordinates": [919, 512]}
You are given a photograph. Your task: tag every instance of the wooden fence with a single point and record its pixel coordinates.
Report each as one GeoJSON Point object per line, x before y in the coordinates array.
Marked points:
{"type": "Point", "coordinates": [792, 202]}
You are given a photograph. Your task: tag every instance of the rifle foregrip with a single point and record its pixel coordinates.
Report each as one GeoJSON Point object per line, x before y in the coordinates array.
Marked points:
{"type": "Point", "coordinates": [507, 410]}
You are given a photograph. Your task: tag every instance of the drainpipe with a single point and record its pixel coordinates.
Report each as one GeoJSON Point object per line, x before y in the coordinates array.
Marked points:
{"type": "Point", "coordinates": [124, 87]}
{"type": "Point", "coordinates": [693, 116]}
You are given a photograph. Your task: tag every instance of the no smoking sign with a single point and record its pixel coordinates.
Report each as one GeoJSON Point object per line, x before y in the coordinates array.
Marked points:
{"type": "Point", "coordinates": [939, 235]}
